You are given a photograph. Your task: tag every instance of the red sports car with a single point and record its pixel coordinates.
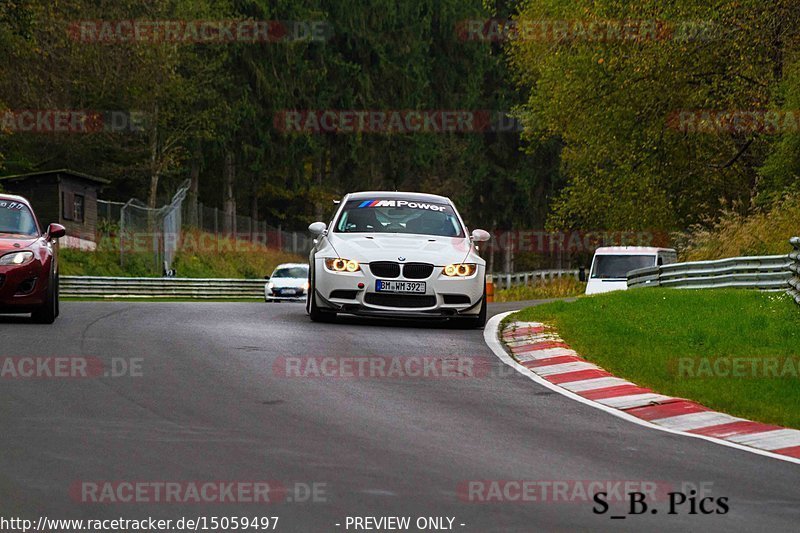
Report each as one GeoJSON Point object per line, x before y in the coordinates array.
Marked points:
{"type": "Point", "coordinates": [28, 262]}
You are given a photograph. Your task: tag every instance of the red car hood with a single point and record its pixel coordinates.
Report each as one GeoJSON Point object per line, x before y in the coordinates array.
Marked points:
{"type": "Point", "coordinates": [7, 242]}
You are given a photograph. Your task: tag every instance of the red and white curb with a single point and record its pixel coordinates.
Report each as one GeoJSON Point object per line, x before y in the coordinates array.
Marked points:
{"type": "Point", "coordinates": [539, 353]}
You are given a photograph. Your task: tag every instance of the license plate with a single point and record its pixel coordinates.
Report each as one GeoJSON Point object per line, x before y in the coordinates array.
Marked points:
{"type": "Point", "coordinates": [288, 291]}
{"type": "Point", "coordinates": [413, 287]}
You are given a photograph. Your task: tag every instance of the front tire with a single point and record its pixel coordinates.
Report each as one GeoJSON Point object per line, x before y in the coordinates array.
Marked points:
{"type": "Point", "coordinates": [49, 310]}
{"type": "Point", "coordinates": [478, 321]}
{"type": "Point", "coordinates": [315, 313]}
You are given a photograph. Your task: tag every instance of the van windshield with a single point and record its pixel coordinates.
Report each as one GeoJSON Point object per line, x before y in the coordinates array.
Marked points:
{"type": "Point", "coordinates": [618, 266]}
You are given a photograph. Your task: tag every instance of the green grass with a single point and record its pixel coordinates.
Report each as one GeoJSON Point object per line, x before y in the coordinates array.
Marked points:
{"type": "Point", "coordinates": [557, 288]}
{"type": "Point", "coordinates": [74, 262]}
{"type": "Point", "coordinates": [641, 334]}
{"type": "Point", "coordinates": [763, 232]}
{"type": "Point", "coordinates": [223, 258]}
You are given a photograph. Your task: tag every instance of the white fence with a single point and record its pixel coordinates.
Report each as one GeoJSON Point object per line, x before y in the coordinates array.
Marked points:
{"type": "Point", "coordinates": [508, 280]}
{"type": "Point", "coordinates": [199, 288]}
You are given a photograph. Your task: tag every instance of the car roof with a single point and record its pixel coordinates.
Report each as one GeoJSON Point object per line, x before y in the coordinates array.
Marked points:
{"type": "Point", "coordinates": [416, 196]}
{"type": "Point", "coordinates": [290, 265]}
{"type": "Point", "coordinates": [631, 250]}
{"type": "Point", "coordinates": [14, 198]}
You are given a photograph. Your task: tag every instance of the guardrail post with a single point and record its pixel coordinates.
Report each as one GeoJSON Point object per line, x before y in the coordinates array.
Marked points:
{"type": "Point", "coordinates": [794, 268]}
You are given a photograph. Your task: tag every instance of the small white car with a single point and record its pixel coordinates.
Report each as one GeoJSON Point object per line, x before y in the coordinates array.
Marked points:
{"type": "Point", "coordinates": [611, 264]}
{"type": "Point", "coordinates": [397, 254]}
{"type": "Point", "coordinates": [289, 281]}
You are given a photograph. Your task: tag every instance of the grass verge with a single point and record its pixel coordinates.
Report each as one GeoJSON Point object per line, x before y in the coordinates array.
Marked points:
{"type": "Point", "coordinates": [201, 255]}
{"type": "Point", "coordinates": [542, 290]}
{"type": "Point", "coordinates": [764, 232]}
{"type": "Point", "coordinates": [689, 343]}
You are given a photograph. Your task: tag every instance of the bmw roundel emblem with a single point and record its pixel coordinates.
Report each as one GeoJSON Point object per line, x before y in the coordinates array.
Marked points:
{"type": "Point", "coordinates": [401, 258]}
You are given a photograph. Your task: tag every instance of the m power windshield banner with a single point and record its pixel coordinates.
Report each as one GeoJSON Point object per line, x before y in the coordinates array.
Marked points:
{"type": "Point", "coordinates": [398, 203]}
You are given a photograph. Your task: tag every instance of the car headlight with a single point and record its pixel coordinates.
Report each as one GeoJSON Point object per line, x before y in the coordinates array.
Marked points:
{"type": "Point", "coordinates": [270, 285]}
{"type": "Point", "coordinates": [342, 265]}
{"type": "Point", "coordinates": [16, 258]}
{"type": "Point", "coordinates": [305, 286]}
{"type": "Point", "coordinates": [460, 269]}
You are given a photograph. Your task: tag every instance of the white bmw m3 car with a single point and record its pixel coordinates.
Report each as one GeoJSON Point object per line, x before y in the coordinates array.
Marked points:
{"type": "Point", "coordinates": [397, 254]}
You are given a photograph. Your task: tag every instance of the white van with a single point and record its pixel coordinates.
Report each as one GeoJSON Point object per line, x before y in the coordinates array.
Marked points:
{"type": "Point", "coordinates": [611, 264]}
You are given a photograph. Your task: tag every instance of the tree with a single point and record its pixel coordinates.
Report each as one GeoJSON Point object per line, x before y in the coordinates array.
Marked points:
{"type": "Point", "coordinates": [612, 102]}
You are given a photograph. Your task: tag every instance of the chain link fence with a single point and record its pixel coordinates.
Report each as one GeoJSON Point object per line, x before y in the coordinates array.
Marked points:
{"type": "Point", "coordinates": [211, 220]}
{"type": "Point", "coordinates": [135, 228]}
{"type": "Point", "coordinates": [142, 227]}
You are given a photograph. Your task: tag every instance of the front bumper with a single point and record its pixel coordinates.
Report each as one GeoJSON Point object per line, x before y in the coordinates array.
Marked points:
{"type": "Point", "coordinates": [444, 297]}
{"type": "Point", "coordinates": [23, 288]}
{"type": "Point", "coordinates": [273, 295]}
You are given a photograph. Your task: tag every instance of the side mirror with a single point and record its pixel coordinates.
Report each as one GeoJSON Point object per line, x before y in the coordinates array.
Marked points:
{"type": "Point", "coordinates": [266, 278]}
{"type": "Point", "coordinates": [317, 228]}
{"type": "Point", "coordinates": [479, 235]}
{"type": "Point", "coordinates": [56, 231]}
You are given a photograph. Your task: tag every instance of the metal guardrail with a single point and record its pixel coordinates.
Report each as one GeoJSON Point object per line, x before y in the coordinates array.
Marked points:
{"type": "Point", "coordinates": [199, 288]}
{"type": "Point", "coordinates": [508, 280]}
{"type": "Point", "coordinates": [770, 272]}
{"type": "Point", "coordinates": [794, 268]}
{"type": "Point", "coordinates": [208, 288]}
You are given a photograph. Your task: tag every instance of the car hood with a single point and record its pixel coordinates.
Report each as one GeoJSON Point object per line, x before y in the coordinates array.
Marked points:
{"type": "Point", "coordinates": [293, 283]}
{"type": "Point", "coordinates": [8, 242]}
{"type": "Point", "coordinates": [368, 247]}
{"type": "Point", "coordinates": [598, 286]}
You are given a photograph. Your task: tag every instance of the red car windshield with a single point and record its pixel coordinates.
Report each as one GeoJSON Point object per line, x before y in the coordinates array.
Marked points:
{"type": "Point", "coordinates": [16, 218]}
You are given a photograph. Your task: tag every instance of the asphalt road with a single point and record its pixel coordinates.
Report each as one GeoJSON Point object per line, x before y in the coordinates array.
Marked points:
{"type": "Point", "coordinates": [209, 405]}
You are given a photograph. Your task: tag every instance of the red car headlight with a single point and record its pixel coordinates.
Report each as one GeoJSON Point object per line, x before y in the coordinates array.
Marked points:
{"type": "Point", "coordinates": [16, 258]}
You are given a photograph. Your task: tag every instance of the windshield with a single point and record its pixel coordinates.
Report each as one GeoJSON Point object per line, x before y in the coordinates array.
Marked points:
{"type": "Point", "coordinates": [16, 218]}
{"type": "Point", "coordinates": [291, 272]}
{"type": "Point", "coordinates": [618, 266]}
{"type": "Point", "coordinates": [399, 216]}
